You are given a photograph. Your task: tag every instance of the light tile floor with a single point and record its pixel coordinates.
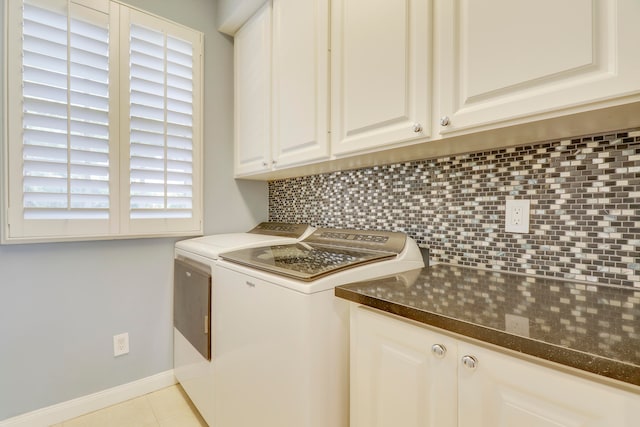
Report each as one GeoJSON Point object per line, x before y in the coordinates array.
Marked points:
{"type": "Point", "coordinates": [169, 407]}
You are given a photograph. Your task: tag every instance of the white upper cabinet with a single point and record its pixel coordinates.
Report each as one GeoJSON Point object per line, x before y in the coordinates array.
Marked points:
{"type": "Point", "coordinates": [252, 52]}
{"type": "Point", "coordinates": [282, 86]}
{"type": "Point", "coordinates": [300, 81]}
{"type": "Point", "coordinates": [380, 73]}
{"type": "Point", "coordinates": [501, 60]}
{"type": "Point", "coordinates": [346, 80]}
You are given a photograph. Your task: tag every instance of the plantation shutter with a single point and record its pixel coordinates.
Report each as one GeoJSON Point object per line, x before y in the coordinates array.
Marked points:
{"type": "Point", "coordinates": [104, 114]}
{"type": "Point", "coordinates": [161, 125]}
{"type": "Point", "coordinates": [65, 116]}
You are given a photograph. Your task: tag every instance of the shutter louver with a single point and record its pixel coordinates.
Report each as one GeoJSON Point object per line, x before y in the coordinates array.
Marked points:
{"type": "Point", "coordinates": [104, 123]}
{"type": "Point", "coordinates": [65, 116]}
{"type": "Point", "coordinates": [161, 125]}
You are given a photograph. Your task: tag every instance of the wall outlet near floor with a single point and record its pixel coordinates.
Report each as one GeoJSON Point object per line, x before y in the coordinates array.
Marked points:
{"type": "Point", "coordinates": [121, 344]}
{"type": "Point", "coordinates": [517, 216]}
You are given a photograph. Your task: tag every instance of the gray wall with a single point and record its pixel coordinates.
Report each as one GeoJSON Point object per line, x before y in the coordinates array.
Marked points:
{"type": "Point", "coordinates": [232, 13]}
{"type": "Point", "coordinates": [61, 303]}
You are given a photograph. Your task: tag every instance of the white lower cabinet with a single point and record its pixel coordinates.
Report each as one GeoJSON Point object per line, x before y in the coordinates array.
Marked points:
{"type": "Point", "coordinates": [504, 391]}
{"type": "Point", "coordinates": [401, 377]}
{"type": "Point", "coordinates": [396, 378]}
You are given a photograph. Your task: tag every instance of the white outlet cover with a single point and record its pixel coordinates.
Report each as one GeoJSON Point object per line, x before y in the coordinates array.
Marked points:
{"type": "Point", "coordinates": [121, 344]}
{"type": "Point", "coordinates": [517, 223]}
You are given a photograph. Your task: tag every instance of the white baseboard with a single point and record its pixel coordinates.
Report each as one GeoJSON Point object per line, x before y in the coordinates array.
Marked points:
{"type": "Point", "coordinates": [83, 405]}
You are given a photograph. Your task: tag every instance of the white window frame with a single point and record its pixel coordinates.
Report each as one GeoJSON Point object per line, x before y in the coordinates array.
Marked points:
{"type": "Point", "coordinates": [16, 229]}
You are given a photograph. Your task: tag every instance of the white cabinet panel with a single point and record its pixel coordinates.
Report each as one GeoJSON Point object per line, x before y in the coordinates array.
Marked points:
{"type": "Point", "coordinates": [282, 85]}
{"type": "Point", "coordinates": [561, 45]}
{"type": "Point", "coordinates": [396, 380]}
{"type": "Point", "coordinates": [252, 52]}
{"type": "Point", "coordinates": [502, 59]}
{"type": "Point", "coordinates": [380, 73]}
{"type": "Point", "coordinates": [300, 81]}
{"type": "Point", "coordinates": [396, 67]}
{"type": "Point", "coordinates": [504, 391]}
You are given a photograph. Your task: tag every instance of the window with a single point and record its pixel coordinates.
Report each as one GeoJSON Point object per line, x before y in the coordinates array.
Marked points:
{"type": "Point", "coordinates": [104, 123]}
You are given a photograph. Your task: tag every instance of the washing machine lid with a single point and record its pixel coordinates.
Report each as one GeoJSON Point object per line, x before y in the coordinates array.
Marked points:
{"type": "Point", "coordinates": [266, 233]}
{"type": "Point", "coordinates": [303, 261]}
{"type": "Point", "coordinates": [326, 251]}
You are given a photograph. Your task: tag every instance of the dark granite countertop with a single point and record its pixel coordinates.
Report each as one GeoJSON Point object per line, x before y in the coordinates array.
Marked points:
{"type": "Point", "coordinates": [590, 327]}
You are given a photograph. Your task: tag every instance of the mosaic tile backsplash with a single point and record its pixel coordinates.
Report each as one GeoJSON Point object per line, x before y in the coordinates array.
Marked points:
{"type": "Point", "coordinates": [585, 206]}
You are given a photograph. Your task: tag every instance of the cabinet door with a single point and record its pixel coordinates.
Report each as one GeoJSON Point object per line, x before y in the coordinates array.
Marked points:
{"type": "Point", "coordinates": [380, 73]}
{"type": "Point", "coordinates": [503, 60]}
{"type": "Point", "coordinates": [300, 81]}
{"type": "Point", "coordinates": [503, 391]}
{"type": "Point", "coordinates": [396, 380]}
{"type": "Point", "coordinates": [252, 49]}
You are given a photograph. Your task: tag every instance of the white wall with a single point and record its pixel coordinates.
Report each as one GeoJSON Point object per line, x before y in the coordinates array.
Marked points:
{"type": "Point", "coordinates": [61, 303]}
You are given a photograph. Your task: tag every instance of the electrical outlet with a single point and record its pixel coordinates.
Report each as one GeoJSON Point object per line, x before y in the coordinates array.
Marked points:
{"type": "Point", "coordinates": [517, 216]}
{"type": "Point", "coordinates": [121, 344]}
{"type": "Point", "coordinates": [518, 325]}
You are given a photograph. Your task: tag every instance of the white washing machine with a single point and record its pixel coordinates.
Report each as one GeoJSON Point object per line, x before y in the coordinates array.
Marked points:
{"type": "Point", "coordinates": [195, 261]}
{"type": "Point", "coordinates": [282, 337]}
